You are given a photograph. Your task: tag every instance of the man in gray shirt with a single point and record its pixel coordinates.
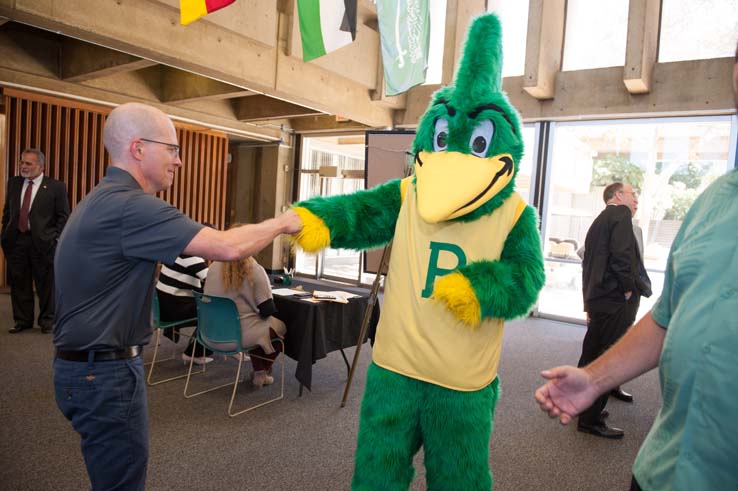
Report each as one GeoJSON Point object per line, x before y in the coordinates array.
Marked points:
{"type": "Point", "coordinates": [104, 272]}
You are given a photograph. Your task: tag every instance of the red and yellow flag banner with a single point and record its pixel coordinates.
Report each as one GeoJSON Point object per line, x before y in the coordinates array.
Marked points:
{"type": "Point", "coordinates": [191, 10]}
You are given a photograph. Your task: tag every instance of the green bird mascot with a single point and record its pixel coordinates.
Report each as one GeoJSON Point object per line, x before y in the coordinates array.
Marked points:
{"type": "Point", "coordinates": [466, 256]}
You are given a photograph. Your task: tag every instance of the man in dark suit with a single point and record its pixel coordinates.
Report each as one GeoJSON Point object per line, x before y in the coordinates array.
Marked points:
{"type": "Point", "coordinates": [613, 281]}
{"type": "Point", "coordinates": [36, 209]}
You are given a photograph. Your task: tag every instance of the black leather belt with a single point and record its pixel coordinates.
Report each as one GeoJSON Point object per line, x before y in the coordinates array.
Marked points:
{"type": "Point", "coordinates": [119, 354]}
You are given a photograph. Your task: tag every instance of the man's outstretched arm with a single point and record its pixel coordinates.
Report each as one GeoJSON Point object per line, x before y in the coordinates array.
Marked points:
{"type": "Point", "coordinates": [243, 241]}
{"type": "Point", "coordinates": [571, 390]}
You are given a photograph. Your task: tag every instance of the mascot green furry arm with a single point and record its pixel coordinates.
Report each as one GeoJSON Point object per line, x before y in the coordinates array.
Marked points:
{"type": "Point", "coordinates": [468, 147]}
{"type": "Point", "coordinates": [363, 220]}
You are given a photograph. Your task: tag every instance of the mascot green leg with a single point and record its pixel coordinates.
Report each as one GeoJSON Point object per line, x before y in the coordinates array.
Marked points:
{"type": "Point", "coordinates": [400, 414]}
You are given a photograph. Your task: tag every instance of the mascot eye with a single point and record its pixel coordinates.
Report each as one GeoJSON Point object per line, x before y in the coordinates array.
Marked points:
{"type": "Point", "coordinates": [481, 138]}
{"type": "Point", "coordinates": [440, 136]}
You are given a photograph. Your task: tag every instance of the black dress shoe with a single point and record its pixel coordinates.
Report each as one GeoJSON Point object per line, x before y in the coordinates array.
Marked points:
{"type": "Point", "coordinates": [621, 394]}
{"type": "Point", "coordinates": [602, 430]}
{"type": "Point", "coordinates": [47, 329]}
{"type": "Point", "coordinates": [18, 328]}
{"type": "Point", "coordinates": [604, 415]}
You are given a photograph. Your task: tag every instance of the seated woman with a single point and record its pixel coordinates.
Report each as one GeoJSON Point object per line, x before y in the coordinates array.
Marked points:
{"type": "Point", "coordinates": [176, 303]}
{"type": "Point", "coordinates": [247, 284]}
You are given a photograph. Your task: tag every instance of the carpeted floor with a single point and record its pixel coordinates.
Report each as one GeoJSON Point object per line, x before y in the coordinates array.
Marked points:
{"type": "Point", "coordinates": [308, 443]}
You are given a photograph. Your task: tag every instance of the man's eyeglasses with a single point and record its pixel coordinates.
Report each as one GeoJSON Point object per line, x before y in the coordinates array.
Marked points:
{"type": "Point", "coordinates": [173, 149]}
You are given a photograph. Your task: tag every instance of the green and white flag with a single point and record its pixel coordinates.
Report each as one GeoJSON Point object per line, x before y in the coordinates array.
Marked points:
{"type": "Point", "coordinates": [404, 30]}
{"type": "Point", "coordinates": [325, 25]}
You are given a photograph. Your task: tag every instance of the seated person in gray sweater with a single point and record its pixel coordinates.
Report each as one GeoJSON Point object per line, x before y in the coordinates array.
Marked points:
{"type": "Point", "coordinates": [247, 284]}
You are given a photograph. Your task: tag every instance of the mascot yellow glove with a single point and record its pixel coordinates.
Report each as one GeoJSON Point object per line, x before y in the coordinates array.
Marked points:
{"type": "Point", "coordinates": [314, 235]}
{"type": "Point", "coordinates": [456, 293]}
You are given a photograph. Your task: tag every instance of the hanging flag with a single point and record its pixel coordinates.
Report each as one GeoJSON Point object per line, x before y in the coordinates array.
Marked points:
{"type": "Point", "coordinates": [325, 25]}
{"type": "Point", "coordinates": [191, 10]}
{"type": "Point", "coordinates": [404, 33]}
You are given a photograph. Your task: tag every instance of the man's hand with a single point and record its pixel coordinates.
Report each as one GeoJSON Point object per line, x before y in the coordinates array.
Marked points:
{"type": "Point", "coordinates": [290, 222]}
{"type": "Point", "coordinates": [568, 392]}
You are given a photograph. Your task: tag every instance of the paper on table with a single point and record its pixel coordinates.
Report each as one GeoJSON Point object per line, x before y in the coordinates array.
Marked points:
{"type": "Point", "coordinates": [334, 296]}
{"type": "Point", "coordinates": [287, 292]}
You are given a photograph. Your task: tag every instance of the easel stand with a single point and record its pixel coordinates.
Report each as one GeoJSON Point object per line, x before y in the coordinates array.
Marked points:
{"type": "Point", "coordinates": [367, 319]}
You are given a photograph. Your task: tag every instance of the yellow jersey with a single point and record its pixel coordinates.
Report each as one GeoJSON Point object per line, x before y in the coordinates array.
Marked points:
{"type": "Point", "coordinates": [417, 336]}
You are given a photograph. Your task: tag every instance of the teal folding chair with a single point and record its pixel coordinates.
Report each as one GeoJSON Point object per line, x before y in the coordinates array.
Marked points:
{"type": "Point", "coordinates": [219, 329]}
{"type": "Point", "coordinates": [160, 325]}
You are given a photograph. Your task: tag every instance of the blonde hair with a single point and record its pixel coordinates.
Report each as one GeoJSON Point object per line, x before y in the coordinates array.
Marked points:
{"type": "Point", "coordinates": [235, 272]}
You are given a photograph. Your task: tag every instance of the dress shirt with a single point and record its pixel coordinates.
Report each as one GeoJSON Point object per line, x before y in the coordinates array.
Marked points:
{"type": "Point", "coordinates": [34, 190]}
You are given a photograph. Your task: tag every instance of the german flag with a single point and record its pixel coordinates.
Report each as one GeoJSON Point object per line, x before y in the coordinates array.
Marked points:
{"type": "Point", "coordinates": [191, 10]}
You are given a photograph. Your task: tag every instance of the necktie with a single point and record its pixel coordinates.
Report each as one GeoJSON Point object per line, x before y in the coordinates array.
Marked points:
{"type": "Point", "coordinates": [25, 207]}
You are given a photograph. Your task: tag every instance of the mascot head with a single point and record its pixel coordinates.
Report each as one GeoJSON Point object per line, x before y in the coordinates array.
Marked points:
{"type": "Point", "coordinates": [468, 145]}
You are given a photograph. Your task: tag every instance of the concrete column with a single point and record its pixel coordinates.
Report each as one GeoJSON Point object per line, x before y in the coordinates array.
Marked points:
{"type": "Point", "coordinates": [642, 45]}
{"type": "Point", "coordinates": [544, 47]}
{"type": "Point", "coordinates": [261, 189]}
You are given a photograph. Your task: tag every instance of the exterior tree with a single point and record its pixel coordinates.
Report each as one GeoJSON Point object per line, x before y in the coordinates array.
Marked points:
{"type": "Point", "coordinates": [611, 168]}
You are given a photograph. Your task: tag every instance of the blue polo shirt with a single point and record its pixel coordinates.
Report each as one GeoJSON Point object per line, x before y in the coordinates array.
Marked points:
{"type": "Point", "coordinates": [693, 444]}
{"type": "Point", "coordinates": [105, 263]}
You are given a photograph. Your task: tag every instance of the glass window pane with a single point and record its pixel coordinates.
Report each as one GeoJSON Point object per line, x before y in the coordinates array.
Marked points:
{"type": "Point", "coordinates": [437, 36]}
{"type": "Point", "coordinates": [669, 162]}
{"type": "Point", "coordinates": [697, 29]}
{"type": "Point", "coordinates": [595, 34]}
{"type": "Point", "coordinates": [514, 18]}
{"type": "Point", "coordinates": [525, 172]}
{"type": "Point", "coordinates": [322, 167]}
{"type": "Point", "coordinates": [305, 263]}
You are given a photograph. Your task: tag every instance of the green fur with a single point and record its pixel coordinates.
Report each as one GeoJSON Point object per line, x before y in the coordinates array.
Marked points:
{"type": "Point", "coordinates": [477, 83]}
{"type": "Point", "coordinates": [508, 288]}
{"type": "Point", "coordinates": [361, 220]}
{"type": "Point", "coordinates": [480, 70]}
{"type": "Point", "coordinates": [400, 414]}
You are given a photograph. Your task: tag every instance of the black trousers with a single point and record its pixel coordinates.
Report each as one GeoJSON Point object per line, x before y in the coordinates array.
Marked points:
{"type": "Point", "coordinates": [27, 266]}
{"type": "Point", "coordinates": [172, 309]}
{"type": "Point", "coordinates": [603, 330]}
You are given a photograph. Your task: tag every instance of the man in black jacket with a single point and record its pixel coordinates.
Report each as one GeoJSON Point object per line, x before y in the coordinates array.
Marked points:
{"type": "Point", "coordinates": [613, 280]}
{"type": "Point", "coordinates": [36, 209]}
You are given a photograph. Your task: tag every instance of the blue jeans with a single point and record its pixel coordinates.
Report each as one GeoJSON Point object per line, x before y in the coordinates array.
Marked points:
{"type": "Point", "coordinates": [106, 403]}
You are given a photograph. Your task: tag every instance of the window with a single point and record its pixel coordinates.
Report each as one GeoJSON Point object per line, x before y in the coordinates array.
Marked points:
{"type": "Point", "coordinates": [526, 167]}
{"type": "Point", "coordinates": [668, 161]}
{"type": "Point", "coordinates": [434, 73]}
{"type": "Point", "coordinates": [595, 34]}
{"type": "Point", "coordinates": [331, 166]}
{"type": "Point", "coordinates": [514, 19]}
{"type": "Point", "coordinates": [697, 29]}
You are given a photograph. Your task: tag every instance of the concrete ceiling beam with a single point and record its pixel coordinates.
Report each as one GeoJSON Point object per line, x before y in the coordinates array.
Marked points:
{"type": "Point", "coordinates": [82, 61]}
{"type": "Point", "coordinates": [179, 87]}
{"type": "Point", "coordinates": [261, 107]}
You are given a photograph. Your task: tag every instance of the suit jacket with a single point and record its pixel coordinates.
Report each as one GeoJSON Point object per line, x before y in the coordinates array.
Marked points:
{"type": "Point", "coordinates": [612, 263]}
{"type": "Point", "coordinates": [48, 215]}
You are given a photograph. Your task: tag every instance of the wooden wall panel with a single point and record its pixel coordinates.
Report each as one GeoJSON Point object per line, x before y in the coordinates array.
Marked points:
{"type": "Point", "coordinates": [70, 135]}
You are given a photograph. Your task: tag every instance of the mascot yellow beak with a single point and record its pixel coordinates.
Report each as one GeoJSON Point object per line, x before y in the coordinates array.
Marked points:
{"type": "Point", "coordinates": [452, 184]}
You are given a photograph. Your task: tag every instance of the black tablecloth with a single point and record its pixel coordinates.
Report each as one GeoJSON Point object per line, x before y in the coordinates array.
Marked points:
{"type": "Point", "coordinates": [316, 329]}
